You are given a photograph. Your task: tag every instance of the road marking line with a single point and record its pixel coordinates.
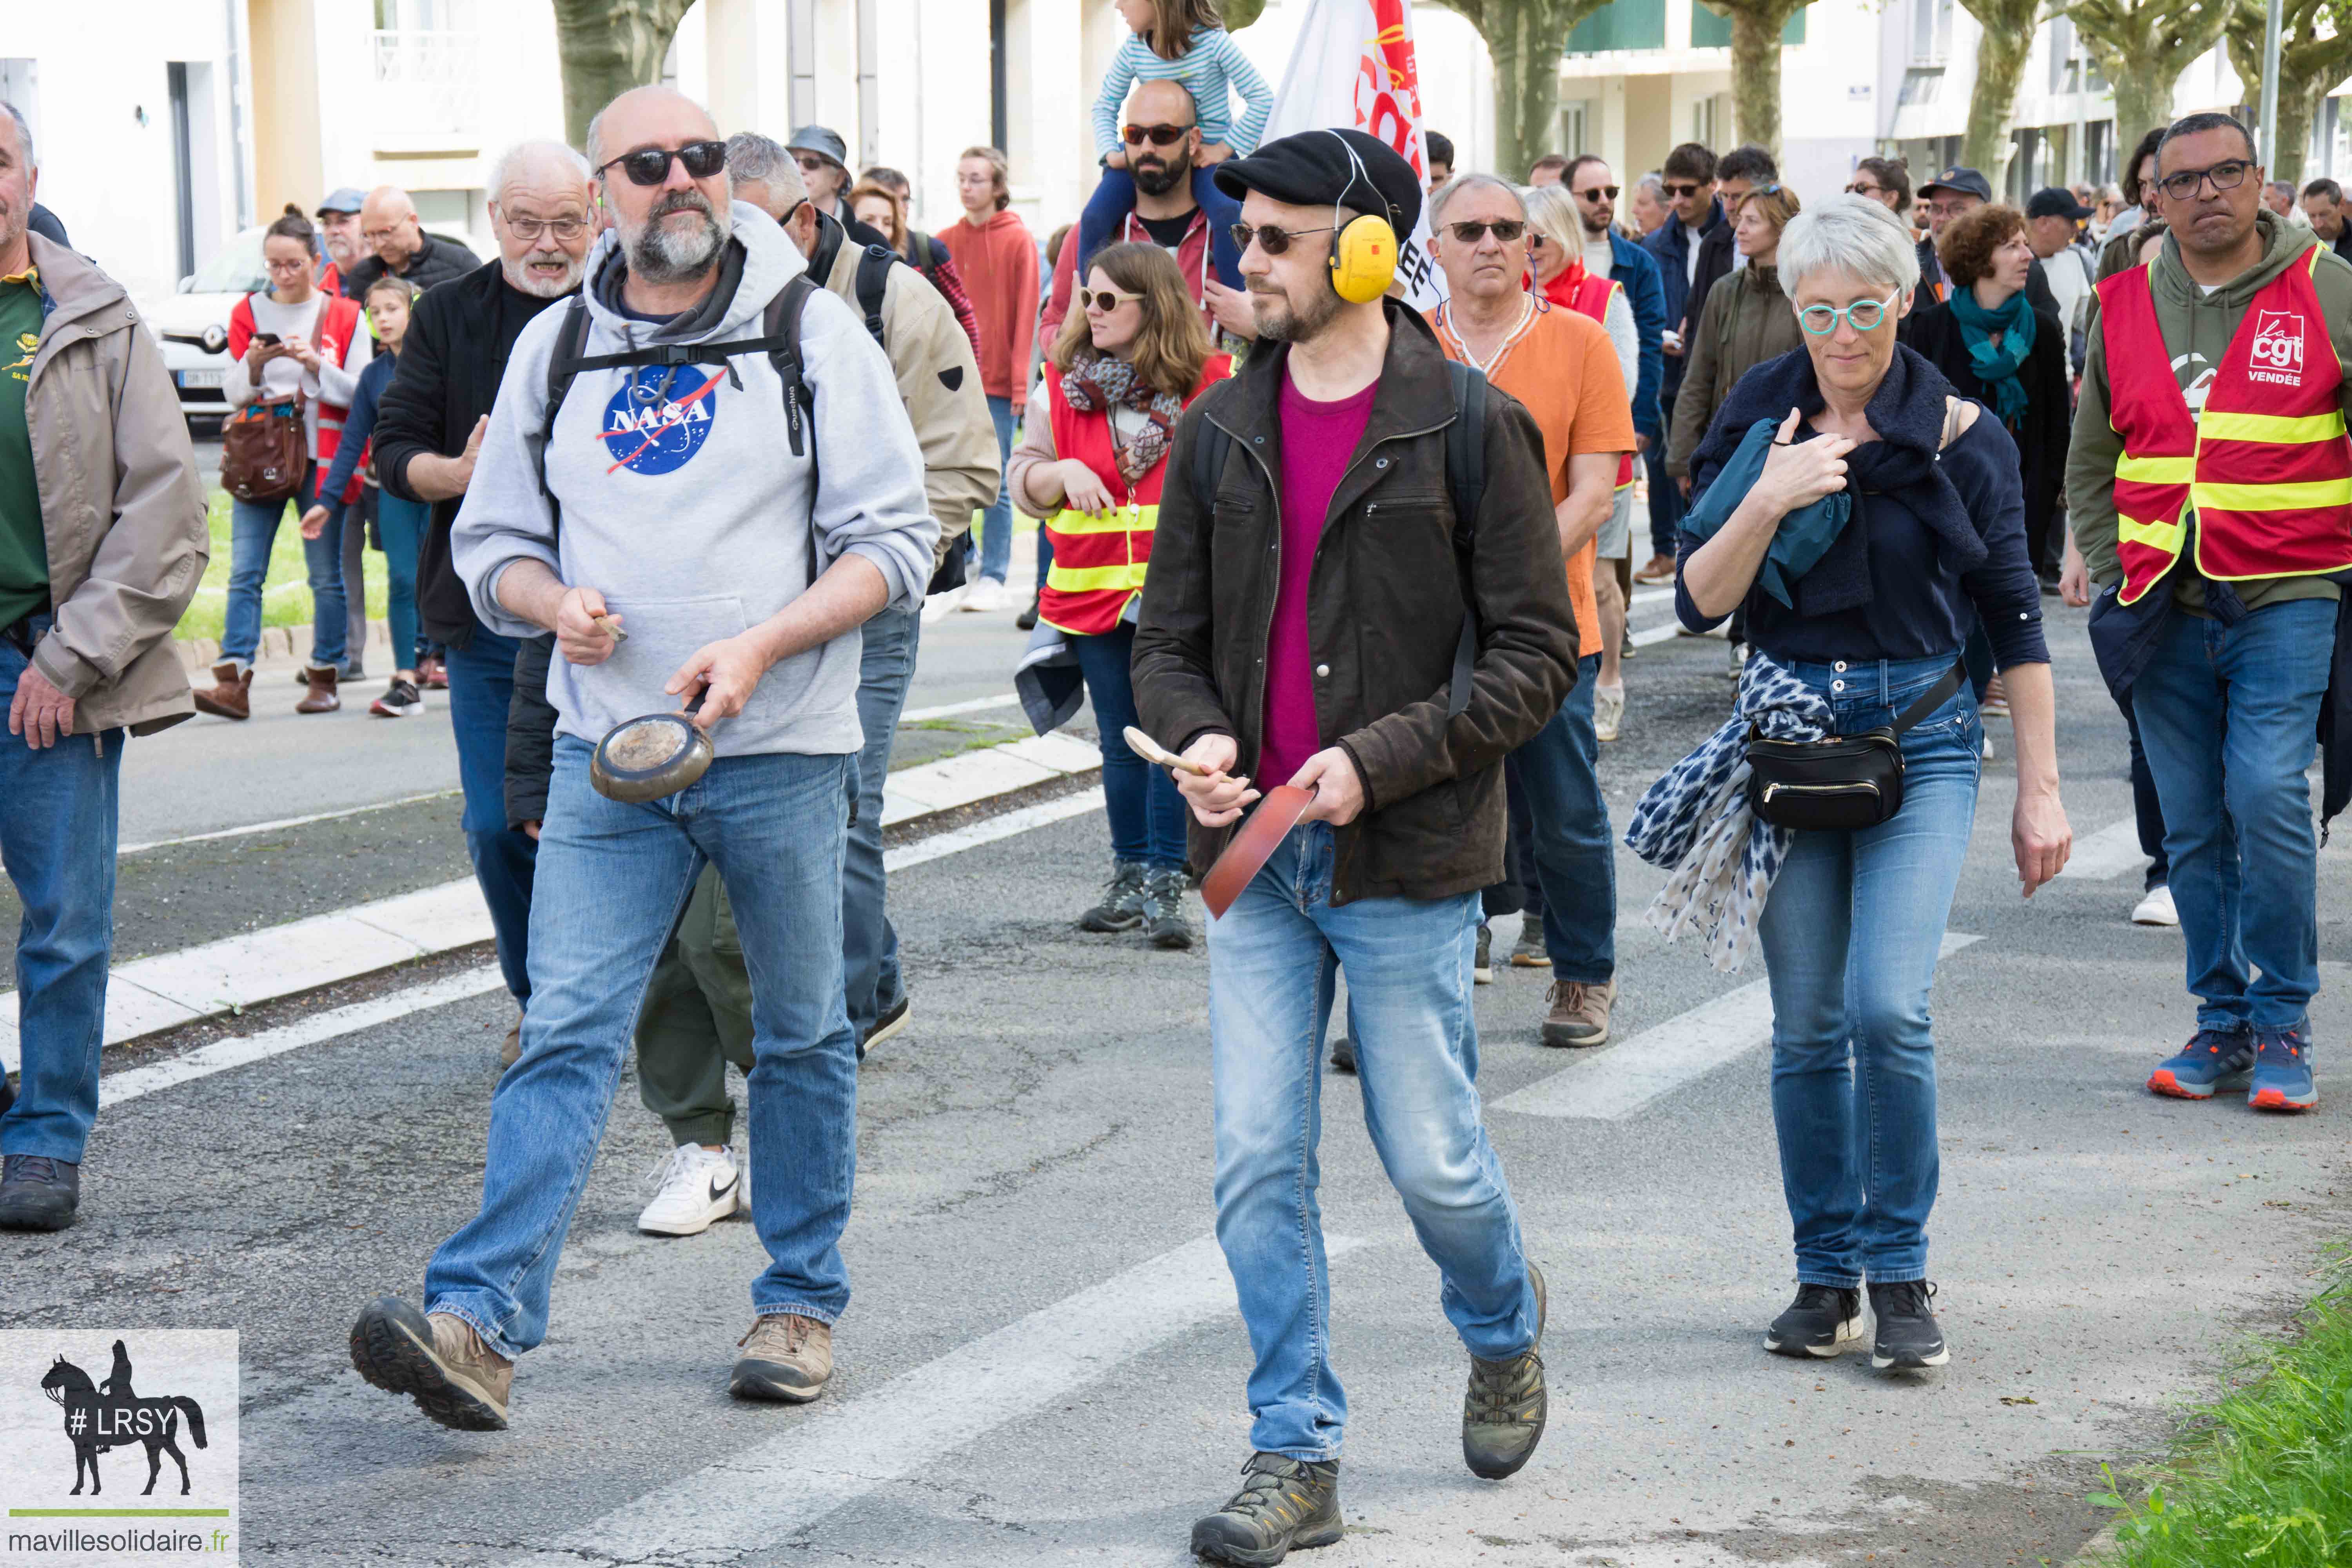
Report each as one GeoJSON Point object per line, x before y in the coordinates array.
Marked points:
{"type": "Point", "coordinates": [833, 1454]}
{"type": "Point", "coordinates": [2110, 852]}
{"type": "Point", "coordinates": [950, 709]}
{"type": "Point", "coordinates": [1650, 595]}
{"type": "Point", "coordinates": [222, 1055]}
{"type": "Point", "coordinates": [956, 840]}
{"type": "Point", "coordinates": [1620, 1080]}
{"type": "Point", "coordinates": [283, 822]}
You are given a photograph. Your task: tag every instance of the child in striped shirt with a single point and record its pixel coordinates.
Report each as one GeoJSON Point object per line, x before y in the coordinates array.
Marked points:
{"type": "Point", "coordinates": [1179, 40]}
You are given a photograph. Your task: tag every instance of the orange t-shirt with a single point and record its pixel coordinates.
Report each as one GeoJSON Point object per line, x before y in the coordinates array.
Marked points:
{"type": "Point", "coordinates": [1562, 366]}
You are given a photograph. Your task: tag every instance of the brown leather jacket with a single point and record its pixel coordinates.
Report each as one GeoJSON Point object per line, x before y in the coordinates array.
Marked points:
{"type": "Point", "coordinates": [1385, 614]}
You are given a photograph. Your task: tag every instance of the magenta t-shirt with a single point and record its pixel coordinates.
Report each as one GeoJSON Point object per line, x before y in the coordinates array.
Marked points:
{"type": "Point", "coordinates": [1318, 439]}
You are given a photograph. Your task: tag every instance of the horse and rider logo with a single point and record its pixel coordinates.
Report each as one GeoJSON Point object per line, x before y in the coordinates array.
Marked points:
{"type": "Point", "coordinates": [112, 1415]}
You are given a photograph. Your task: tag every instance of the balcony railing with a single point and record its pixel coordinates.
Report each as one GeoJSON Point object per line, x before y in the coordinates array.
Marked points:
{"type": "Point", "coordinates": [427, 83]}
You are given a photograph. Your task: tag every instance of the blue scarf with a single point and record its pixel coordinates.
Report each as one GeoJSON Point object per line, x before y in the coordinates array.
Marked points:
{"type": "Point", "coordinates": [1997, 367]}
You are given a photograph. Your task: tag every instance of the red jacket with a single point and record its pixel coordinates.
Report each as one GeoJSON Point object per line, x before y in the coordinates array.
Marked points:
{"type": "Point", "coordinates": [1191, 260]}
{"type": "Point", "coordinates": [338, 326]}
{"type": "Point", "coordinates": [998, 260]}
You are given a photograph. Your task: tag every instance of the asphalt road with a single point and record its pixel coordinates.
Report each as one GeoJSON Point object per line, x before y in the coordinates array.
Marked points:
{"type": "Point", "coordinates": [1042, 1364]}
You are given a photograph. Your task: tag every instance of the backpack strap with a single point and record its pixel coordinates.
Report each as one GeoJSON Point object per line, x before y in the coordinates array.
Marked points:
{"type": "Point", "coordinates": [563, 366]}
{"type": "Point", "coordinates": [873, 287]}
{"type": "Point", "coordinates": [1466, 483]}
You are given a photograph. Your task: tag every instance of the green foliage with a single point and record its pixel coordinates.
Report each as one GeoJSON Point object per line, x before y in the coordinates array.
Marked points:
{"type": "Point", "coordinates": [285, 592]}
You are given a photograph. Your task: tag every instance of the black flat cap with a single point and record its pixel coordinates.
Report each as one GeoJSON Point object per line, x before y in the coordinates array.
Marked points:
{"type": "Point", "coordinates": [1312, 168]}
{"type": "Point", "coordinates": [2055, 201]}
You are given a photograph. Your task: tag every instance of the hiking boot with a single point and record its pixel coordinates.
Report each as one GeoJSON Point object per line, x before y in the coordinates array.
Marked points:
{"type": "Point", "coordinates": [1661, 568]}
{"type": "Point", "coordinates": [1122, 908]}
{"type": "Point", "coordinates": [1529, 952]}
{"type": "Point", "coordinates": [2282, 1071]}
{"type": "Point", "coordinates": [1283, 1503]}
{"type": "Point", "coordinates": [1482, 968]}
{"type": "Point", "coordinates": [1503, 1413]}
{"type": "Point", "coordinates": [1163, 910]}
{"type": "Point", "coordinates": [37, 1192]}
{"type": "Point", "coordinates": [1343, 1055]}
{"type": "Point", "coordinates": [231, 696]}
{"type": "Point", "coordinates": [321, 680]}
{"type": "Point", "coordinates": [439, 1361]}
{"type": "Point", "coordinates": [2210, 1058]}
{"type": "Point", "coordinates": [511, 1048]}
{"type": "Point", "coordinates": [786, 1357]}
{"type": "Point", "coordinates": [1907, 1335]}
{"type": "Point", "coordinates": [400, 700]}
{"type": "Point", "coordinates": [1822, 1322]}
{"type": "Point", "coordinates": [1580, 1013]}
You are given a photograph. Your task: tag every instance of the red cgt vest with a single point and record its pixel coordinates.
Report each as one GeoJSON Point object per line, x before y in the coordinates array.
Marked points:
{"type": "Point", "coordinates": [2266, 471]}
{"type": "Point", "coordinates": [1578, 289]}
{"type": "Point", "coordinates": [1100, 562]}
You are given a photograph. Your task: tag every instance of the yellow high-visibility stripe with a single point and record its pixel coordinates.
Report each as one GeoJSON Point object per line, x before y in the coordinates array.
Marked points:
{"type": "Point", "coordinates": [2272, 498]}
{"type": "Point", "coordinates": [1088, 579]}
{"type": "Point", "coordinates": [2157, 470]}
{"type": "Point", "coordinates": [1118, 520]}
{"type": "Point", "coordinates": [2272, 427]}
{"type": "Point", "coordinates": [2164, 536]}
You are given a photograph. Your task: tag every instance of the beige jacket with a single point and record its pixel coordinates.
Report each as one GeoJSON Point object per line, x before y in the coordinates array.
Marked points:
{"type": "Point", "coordinates": [939, 380]}
{"type": "Point", "coordinates": [123, 511]}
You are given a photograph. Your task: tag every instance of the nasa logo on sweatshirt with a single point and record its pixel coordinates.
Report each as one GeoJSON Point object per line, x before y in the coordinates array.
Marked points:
{"type": "Point", "coordinates": [660, 419]}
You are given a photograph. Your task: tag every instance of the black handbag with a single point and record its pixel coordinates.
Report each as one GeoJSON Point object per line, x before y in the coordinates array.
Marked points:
{"type": "Point", "coordinates": [1845, 781]}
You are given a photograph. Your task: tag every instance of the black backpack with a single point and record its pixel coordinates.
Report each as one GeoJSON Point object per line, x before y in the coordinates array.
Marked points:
{"type": "Point", "coordinates": [1466, 483]}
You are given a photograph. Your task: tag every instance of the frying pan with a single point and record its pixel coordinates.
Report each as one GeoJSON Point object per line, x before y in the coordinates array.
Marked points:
{"type": "Point", "coordinates": [1249, 849]}
{"type": "Point", "coordinates": [651, 756]}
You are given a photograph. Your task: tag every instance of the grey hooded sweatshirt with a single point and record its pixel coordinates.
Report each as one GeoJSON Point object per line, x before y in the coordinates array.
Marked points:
{"type": "Point", "coordinates": [682, 503]}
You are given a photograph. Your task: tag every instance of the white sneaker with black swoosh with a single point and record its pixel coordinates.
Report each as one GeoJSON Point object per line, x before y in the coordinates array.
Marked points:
{"type": "Point", "coordinates": [700, 1187]}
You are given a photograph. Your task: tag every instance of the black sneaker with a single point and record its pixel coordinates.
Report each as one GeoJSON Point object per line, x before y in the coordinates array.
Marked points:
{"type": "Point", "coordinates": [1343, 1055]}
{"type": "Point", "coordinates": [1122, 908]}
{"type": "Point", "coordinates": [1283, 1503]}
{"type": "Point", "coordinates": [37, 1192]}
{"type": "Point", "coordinates": [1482, 968]}
{"type": "Point", "coordinates": [1027, 619]}
{"type": "Point", "coordinates": [1907, 1335]}
{"type": "Point", "coordinates": [1822, 1322]}
{"type": "Point", "coordinates": [1164, 920]}
{"type": "Point", "coordinates": [400, 700]}
{"type": "Point", "coordinates": [888, 1025]}
{"type": "Point", "coordinates": [1503, 1413]}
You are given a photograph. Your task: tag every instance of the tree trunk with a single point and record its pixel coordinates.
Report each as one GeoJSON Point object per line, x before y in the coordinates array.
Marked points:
{"type": "Point", "coordinates": [1240, 13]}
{"type": "Point", "coordinates": [2143, 86]}
{"type": "Point", "coordinates": [1756, 71]}
{"type": "Point", "coordinates": [1525, 39]}
{"type": "Point", "coordinates": [606, 47]}
{"type": "Point", "coordinates": [2297, 105]}
{"type": "Point", "coordinates": [2141, 48]}
{"type": "Point", "coordinates": [2006, 39]}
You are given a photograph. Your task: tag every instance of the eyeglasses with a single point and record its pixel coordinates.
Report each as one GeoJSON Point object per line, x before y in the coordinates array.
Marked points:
{"type": "Point", "coordinates": [376, 235]}
{"type": "Point", "coordinates": [1272, 240]}
{"type": "Point", "coordinates": [529, 229]}
{"type": "Point", "coordinates": [1159, 135]}
{"type": "Point", "coordinates": [1507, 229]}
{"type": "Point", "coordinates": [2226, 176]}
{"type": "Point", "coordinates": [1104, 299]}
{"type": "Point", "coordinates": [1865, 188]}
{"type": "Point", "coordinates": [1863, 315]}
{"type": "Point", "coordinates": [1684, 188]}
{"type": "Point", "coordinates": [1599, 193]}
{"type": "Point", "coordinates": [650, 165]}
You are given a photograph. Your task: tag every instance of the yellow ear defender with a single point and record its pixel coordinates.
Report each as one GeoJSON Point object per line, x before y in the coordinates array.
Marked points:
{"type": "Point", "coordinates": [1364, 252]}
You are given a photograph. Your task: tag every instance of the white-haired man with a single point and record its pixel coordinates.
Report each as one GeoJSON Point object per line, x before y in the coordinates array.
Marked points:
{"type": "Point", "coordinates": [428, 430]}
{"type": "Point", "coordinates": [676, 415]}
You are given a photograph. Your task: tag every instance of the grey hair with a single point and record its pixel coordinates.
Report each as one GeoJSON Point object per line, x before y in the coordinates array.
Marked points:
{"type": "Point", "coordinates": [24, 134]}
{"type": "Point", "coordinates": [519, 158]}
{"type": "Point", "coordinates": [1461, 182]}
{"type": "Point", "coordinates": [751, 157]}
{"type": "Point", "coordinates": [1849, 234]}
{"type": "Point", "coordinates": [1655, 184]}
{"type": "Point", "coordinates": [1552, 212]}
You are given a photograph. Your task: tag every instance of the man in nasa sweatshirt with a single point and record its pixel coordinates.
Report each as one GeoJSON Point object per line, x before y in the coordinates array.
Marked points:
{"type": "Point", "coordinates": [736, 568]}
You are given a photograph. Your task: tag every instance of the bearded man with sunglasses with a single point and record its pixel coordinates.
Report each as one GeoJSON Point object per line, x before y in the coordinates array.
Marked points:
{"type": "Point", "coordinates": [1302, 625]}
{"type": "Point", "coordinates": [2209, 481]}
{"type": "Point", "coordinates": [739, 489]}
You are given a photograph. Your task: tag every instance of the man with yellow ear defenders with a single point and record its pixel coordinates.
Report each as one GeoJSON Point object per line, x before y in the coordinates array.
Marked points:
{"type": "Point", "coordinates": [1355, 590]}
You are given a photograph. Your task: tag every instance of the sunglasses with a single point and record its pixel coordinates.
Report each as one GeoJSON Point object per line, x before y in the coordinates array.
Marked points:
{"type": "Point", "coordinates": [1157, 135]}
{"type": "Point", "coordinates": [650, 165]}
{"type": "Point", "coordinates": [810, 162]}
{"type": "Point", "coordinates": [1863, 188]}
{"type": "Point", "coordinates": [1104, 299]}
{"type": "Point", "coordinates": [1686, 188]}
{"type": "Point", "coordinates": [1507, 229]}
{"type": "Point", "coordinates": [1599, 193]}
{"type": "Point", "coordinates": [1272, 240]}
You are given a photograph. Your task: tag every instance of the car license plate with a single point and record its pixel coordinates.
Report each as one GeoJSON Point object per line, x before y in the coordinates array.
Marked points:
{"type": "Point", "coordinates": [203, 377]}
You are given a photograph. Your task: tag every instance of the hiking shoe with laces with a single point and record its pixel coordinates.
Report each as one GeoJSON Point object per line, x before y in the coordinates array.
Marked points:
{"type": "Point", "coordinates": [1503, 1413]}
{"type": "Point", "coordinates": [1908, 1337]}
{"type": "Point", "coordinates": [1529, 952]}
{"type": "Point", "coordinates": [1822, 1322]}
{"type": "Point", "coordinates": [439, 1361]}
{"type": "Point", "coordinates": [1580, 1013]}
{"type": "Point", "coordinates": [1164, 920]}
{"type": "Point", "coordinates": [1283, 1503]}
{"type": "Point", "coordinates": [2281, 1079]}
{"type": "Point", "coordinates": [786, 1357]}
{"type": "Point", "coordinates": [37, 1192]}
{"type": "Point", "coordinates": [1122, 908]}
{"type": "Point", "coordinates": [2211, 1057]}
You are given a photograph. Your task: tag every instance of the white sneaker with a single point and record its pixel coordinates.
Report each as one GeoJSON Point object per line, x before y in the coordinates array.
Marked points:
{"type": "Point", "coordinates": [2156, 909]}
{"type": "Point", "coordinates": [985, 595]}
{"type": "Point", "coordinates": [699, 1188]}
{"type": "Point", "coordinates": [1608, 710]}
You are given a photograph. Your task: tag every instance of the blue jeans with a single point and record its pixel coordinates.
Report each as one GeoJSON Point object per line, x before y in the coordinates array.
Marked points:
{"type": "Point", "coordinates": [2230, 716]}
{"type": "Point", "coordinates": [2147, 808]}
{"type": "Point", "coordinates": [869, 946]}
{"type": "Point", "coordinates": [995, 534]}
{"type": "Point", "coordinates": [617, 877]}
{"type": "Point", "coordinates": [1665, 496]}
{"type": "Point", "coordinates": [1146, 815]}
{"type": "Point", "coordinates": [253, 533]}
{"type": "Point", "coordinates": [1106, 212]}
{"type": "Point", "coordinates": [481, 689]}
{"type": "Point", "coordinates": [1568, 838]}
{"type": "Point", "coordinates": [58, 837]}
{"type": "Point", "coordinates": [1273, 960]}
{"type": "Point", "coordinates": [1851, 931]}
{"type": "Point", "coordinates": [402, 523]}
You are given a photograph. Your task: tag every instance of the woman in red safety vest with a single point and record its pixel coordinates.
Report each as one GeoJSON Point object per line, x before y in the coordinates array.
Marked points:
{"type": "Point", "coordinates": [1093, 451]}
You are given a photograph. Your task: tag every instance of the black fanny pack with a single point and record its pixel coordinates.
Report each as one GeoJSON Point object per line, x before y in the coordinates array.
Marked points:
{"type": "Point", "coordinates": [1845, 781]}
